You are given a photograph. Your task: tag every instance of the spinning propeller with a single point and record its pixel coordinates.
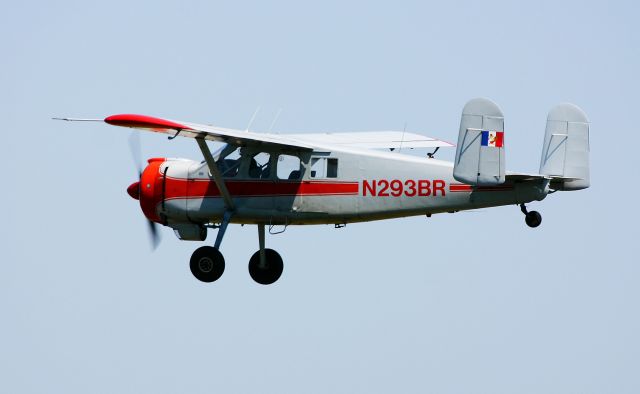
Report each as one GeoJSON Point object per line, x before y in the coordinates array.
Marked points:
{"type": "Point", "coordinates": [134, 189]}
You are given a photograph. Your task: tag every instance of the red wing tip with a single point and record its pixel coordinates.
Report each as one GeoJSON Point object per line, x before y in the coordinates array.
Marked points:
{"type": "Point", "coordinates": [143, 121]}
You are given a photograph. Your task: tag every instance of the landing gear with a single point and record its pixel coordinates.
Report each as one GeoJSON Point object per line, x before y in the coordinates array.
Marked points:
{"type": "Point", "coordinates": [532, 218]}
{"type": "Point", "coordinates": [265, 266]}
{"type": "Point", "coordinates": [269, 271]}
{"type": "Point", "coordinates": [207, 264]}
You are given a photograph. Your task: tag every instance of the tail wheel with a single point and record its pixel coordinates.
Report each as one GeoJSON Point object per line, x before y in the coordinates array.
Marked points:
{"type": "Point", "coordinates": [269, 272]}
{"type": "Point", "coordinates": [533, 219]}
{"type": "Point", "coordinates": [207, 264]}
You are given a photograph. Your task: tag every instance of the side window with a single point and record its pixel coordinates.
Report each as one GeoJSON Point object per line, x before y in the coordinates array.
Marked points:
{"type": "Point", "coordinates": [259, 166]}
{"type": "Point", "coordinates": [322, 167]}
{"type": "Point", "coordinates": [288, 167]}
{"type": "Point", "coordinates": [317, 167]}
{"type": "Point", "coordinates": [332, 168]}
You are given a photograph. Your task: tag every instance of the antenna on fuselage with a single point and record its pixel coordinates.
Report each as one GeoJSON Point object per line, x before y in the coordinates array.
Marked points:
{"type": "Point", "coordinates": [253, 118]}
{"type": "Point", "coordinates": [275, 119]}
{"type": "Point", "coordinates": [404, 129]}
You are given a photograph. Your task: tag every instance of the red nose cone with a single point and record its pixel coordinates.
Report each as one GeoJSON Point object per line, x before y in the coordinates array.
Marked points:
{"type": "Point", "coordinates": [134, 190]}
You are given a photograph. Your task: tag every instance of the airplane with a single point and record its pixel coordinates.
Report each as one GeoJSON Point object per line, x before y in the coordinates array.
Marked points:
{"type": "Point", "coordinates": [276, 180]}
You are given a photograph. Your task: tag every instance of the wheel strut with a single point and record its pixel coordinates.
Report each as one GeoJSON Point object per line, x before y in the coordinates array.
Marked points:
{"type": "Point", "coordinates": [263, 256]}
{"type": "Point", "coordinates": [223, 228]}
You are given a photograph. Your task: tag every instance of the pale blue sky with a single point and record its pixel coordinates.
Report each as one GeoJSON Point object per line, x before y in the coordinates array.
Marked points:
{"type": "Point", "coordinates": [394, 306]}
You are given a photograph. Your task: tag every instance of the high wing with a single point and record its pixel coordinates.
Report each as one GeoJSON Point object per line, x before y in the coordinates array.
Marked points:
{"type": "Point", "coordinates": [362, 140]}
{"type": "Point", "coordinates": [372, 140]}
{"type": "Point", "coordinates": [210, 133]}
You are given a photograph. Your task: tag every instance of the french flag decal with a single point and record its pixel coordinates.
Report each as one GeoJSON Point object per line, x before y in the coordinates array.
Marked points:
{"type": "Point", "coordinates": [492, 138]}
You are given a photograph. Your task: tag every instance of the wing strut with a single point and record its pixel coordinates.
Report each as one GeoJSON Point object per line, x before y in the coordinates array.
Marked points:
{"type": "Point", "coordinates": [215, 172]}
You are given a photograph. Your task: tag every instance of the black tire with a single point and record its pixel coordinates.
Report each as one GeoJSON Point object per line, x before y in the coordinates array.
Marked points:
{"type": "Point", "coordinates": [207, 264]}
{"type": "Point", "coordinates": [533, 219]}
{"type": "Point", "coordinates": [269, 274]}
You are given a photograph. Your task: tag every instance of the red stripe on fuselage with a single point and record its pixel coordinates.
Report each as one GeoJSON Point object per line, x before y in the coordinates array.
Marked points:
{"type": "Point", "coordinates": [459, 188]}
{"type": "Point", "coordinates": [201, 188]}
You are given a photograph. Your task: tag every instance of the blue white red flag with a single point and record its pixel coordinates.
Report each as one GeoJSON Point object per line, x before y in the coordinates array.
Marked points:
{"type": "Point", "coordinates": [492, 138]}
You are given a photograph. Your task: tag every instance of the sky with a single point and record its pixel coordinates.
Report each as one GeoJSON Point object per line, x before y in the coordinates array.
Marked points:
{"type": "Point", "coordinates": [456, 303]}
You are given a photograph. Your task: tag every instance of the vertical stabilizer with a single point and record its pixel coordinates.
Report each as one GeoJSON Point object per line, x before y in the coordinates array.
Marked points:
{"type": "Point", "coordinates": [480, 158]}
{"type": "Point", "coordinates": [565, 152]}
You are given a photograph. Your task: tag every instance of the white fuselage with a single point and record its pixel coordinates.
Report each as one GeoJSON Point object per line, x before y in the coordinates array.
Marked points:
{"type": "Point", "coordinates": [362, 185]}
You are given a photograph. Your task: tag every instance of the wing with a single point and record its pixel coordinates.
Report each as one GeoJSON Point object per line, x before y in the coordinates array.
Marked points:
{"type": "Point", "coordinates": [372, 140]}
{"type": "Point", "coordinates": [363, 140]}
{"type": "Point", "coordinates": [211, 133]}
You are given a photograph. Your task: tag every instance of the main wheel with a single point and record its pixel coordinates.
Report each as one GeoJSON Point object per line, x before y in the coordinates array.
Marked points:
{"type": "Point", "coordinates": [207, 264]}
{"type": "Point", "coordinates": [272, 269]}
{"type": "Point", "coordinates": [533, 219]}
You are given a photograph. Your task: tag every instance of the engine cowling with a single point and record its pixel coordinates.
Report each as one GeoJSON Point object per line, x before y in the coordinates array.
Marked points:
{"type": "Point", "coordinates": [148, 190]}
{"type": "Point", "coordinates": [170, 192]}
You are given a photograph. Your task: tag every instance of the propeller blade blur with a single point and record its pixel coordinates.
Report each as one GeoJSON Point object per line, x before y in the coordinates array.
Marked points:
{"type": "Point", "coordinates": [134, 189]}
{"type": "Point", "coordinates": [154, 235]}
{"type": "Point", "coordinates": [134, 147]}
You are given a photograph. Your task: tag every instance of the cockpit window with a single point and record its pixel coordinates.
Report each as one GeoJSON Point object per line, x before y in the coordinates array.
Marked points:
{"type": "Point", "coordinates": [289, 167]}
{"type": "Point", "coordinates": [229, 162]}
{"type": "Point", "coordinates": [259, 166]}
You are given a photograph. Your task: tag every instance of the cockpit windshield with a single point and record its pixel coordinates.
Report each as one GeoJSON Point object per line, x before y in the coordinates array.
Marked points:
{"type": "Point", "coordinates": [229, 161]}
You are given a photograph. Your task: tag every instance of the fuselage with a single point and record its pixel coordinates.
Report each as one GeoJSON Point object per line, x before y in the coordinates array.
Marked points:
{"type": "Point", "coordinates": [319, 187]}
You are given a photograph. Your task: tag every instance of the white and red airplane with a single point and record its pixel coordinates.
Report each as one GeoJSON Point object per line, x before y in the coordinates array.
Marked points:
{"type": "Point", "coordinates": [338, 178]}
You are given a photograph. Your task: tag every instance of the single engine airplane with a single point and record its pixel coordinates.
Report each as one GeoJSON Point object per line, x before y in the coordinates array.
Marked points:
{"type": "Point", "coordinates": [272, 180]}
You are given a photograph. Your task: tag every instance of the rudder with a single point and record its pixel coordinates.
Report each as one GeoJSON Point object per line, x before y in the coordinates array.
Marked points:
{"type": "Point", "coordinates": [565, 151]}
{"type": "Point", "coordinates": [480, 158]}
